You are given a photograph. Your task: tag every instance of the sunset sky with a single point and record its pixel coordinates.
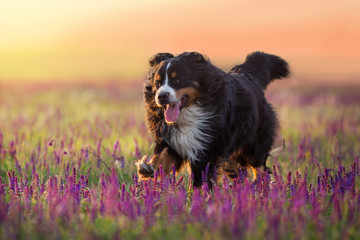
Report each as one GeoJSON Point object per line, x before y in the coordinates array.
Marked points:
{"type": "Point", "coordinates": [112, 39]}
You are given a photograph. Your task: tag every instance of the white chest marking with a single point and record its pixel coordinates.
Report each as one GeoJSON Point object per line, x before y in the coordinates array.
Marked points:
{"type": "Point", "coordinates": [191, 137]}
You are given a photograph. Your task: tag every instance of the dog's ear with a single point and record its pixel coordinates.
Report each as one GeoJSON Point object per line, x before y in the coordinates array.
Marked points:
{"type": "Point", "coordinates": [194, 57]}
{"type": "Point", "coordinates": [158, 58]}
{"type": "Point", "coordinates": [153, 62]}
{"type": "Point", "coordinates": [197, 57]}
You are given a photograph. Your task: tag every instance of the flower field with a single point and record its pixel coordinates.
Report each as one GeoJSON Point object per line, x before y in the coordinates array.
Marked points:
{"type": "Point", "coordinates": [67, 170]}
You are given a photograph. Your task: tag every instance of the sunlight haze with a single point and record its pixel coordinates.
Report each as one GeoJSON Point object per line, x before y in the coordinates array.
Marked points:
{"type": "Point", "coordinates": [101, 40]}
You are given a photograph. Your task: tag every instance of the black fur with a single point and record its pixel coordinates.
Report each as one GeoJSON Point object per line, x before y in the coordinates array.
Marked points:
{"type": "Point", "coordinates": [243, 123]}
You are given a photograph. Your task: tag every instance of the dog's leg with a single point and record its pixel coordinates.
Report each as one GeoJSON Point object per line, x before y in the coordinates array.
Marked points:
{"type": "Point", "coordinates": [254, 170]}
{"type": "Point", "coordinates": [199, 168]}
{"type": "Point", "coordinates": [228, 166]}
{"type": "Point", "coordinates": [165, 158]}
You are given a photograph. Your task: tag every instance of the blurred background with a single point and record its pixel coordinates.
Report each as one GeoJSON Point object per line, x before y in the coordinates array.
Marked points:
{"type": "Point", "coordinates": [112, 40]}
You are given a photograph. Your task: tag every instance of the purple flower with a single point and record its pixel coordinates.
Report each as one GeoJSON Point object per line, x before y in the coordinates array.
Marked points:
{"type": "Point", "coordinates": [137, 150]}
{"type": "Point", "coordinates": [74, 175]}
{"type": "Point", "coordinates": [196, 204]}
{"type": "Point", "coordinates": [12, 149]}
{"type": "Point", "coordinates": [98, 148]}
{"type": "Point", "coordinates": [51, 142]}
{"type": "Point", "coordinates": [116, 146]}
{"type": "Point", "coordinates": [11, 182]}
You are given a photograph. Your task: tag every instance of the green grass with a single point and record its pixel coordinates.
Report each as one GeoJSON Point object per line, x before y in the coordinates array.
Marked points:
{"type": "Point", "coordinates": [321, 130]}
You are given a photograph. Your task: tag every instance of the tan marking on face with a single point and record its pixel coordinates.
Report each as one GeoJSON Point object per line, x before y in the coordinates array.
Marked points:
{"type": "Point", "coordinates": [173, 75]}
{"type": "Point", "coordinates": [157, 77]}
{"type": "Point", "coordinates": [191, 92]}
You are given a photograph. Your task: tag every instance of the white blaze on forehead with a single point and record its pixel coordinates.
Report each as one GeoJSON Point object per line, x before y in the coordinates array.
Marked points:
{"type": "Point", "coordinates": [166, 88]}
{"type": "Point", "coordinates": [167, 74]}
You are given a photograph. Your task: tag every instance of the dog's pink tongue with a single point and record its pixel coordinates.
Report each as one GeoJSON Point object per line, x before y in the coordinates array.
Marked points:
{"type": "Point", "coordinates": [172, 112]}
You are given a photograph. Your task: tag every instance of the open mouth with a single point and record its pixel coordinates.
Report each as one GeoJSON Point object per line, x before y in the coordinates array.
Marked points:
{"type": "Point", "coordinates": [172, 110]}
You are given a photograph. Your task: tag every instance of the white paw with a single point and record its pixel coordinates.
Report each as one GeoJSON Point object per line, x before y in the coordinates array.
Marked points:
{"type": "Point", "coordinates": [145, 170]}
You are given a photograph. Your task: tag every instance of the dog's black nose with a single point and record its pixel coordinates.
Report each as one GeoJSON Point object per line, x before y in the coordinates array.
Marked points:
{"type": "Point", "coordinates": [163, 97]}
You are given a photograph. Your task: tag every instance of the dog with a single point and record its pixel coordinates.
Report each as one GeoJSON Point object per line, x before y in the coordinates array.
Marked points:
{"type": "Point", "coordinates": [207, 118]}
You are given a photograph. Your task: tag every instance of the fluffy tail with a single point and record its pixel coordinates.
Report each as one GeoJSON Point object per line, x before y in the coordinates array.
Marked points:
{"type": "Point", "coordinates": [263, 68]}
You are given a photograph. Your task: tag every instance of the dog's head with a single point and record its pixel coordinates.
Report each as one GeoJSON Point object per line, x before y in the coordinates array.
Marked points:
{"type": "Point", "coordinates": [176, 81]}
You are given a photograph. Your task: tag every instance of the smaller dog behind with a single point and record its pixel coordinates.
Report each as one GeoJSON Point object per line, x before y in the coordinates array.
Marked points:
{"type": "Point", "coordinates": [212, 120]}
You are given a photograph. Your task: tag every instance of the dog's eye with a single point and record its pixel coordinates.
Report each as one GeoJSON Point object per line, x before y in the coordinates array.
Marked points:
{"type": "Point", "coordinates": [176, 81]}
{"type": "Point", "coordinates": [157, 84]}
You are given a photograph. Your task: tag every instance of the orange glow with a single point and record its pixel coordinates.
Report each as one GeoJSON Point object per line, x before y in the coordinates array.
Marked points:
{"type": "Point", "coordinates": [97, 40]}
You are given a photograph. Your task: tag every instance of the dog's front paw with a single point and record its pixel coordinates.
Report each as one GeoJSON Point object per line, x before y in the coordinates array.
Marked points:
{"type": "Point", "coordinates": [145, 170]}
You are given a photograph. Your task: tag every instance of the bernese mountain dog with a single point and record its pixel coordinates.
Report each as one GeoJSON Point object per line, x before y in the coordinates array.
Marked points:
{"type": "Point", "coordinates": [209, 119]}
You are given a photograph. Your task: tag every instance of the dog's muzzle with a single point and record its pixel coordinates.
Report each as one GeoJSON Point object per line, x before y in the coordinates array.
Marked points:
{"type": "Point", "coordinates": [163, 98]}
